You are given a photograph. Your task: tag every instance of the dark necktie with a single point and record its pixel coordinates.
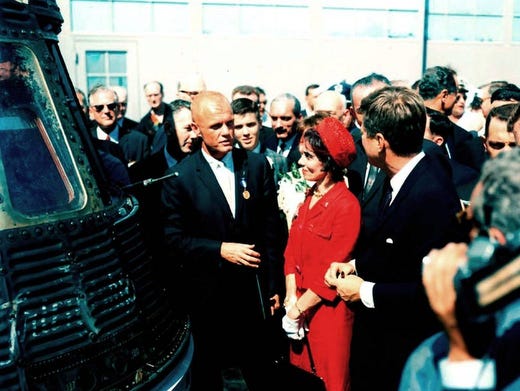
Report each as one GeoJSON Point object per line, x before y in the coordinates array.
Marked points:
{"type": "Point", "coordinates": [282, 147]}
{"type": "Point", "coordinates": [371, 177]}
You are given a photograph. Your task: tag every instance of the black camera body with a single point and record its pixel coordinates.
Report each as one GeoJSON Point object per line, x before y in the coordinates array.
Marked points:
{"type": "Point", "coordinates": [486, 284]}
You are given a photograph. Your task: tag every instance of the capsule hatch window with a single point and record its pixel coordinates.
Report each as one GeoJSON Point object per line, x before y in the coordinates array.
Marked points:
{"type": "Point", "coordinates": [38, 175]}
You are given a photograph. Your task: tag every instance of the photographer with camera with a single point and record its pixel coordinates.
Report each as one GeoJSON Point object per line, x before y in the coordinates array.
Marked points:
{"type": "Point", "coordinates": [473, 289]}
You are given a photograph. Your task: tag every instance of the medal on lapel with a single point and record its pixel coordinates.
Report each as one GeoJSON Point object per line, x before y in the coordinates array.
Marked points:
{"type": "Point", "coordinates": [245, 192]}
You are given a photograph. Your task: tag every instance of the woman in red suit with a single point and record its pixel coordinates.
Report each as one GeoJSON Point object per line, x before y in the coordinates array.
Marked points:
{"type": "Point", "coordinates": [325, 230]}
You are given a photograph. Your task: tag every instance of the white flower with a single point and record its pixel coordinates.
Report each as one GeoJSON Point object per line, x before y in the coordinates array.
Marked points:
{"type": "Point", "coordinates": [291, 192]}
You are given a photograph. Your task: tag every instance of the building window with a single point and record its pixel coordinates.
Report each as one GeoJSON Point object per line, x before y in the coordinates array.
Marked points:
{"type": "Point", "coordinates": [106, 67]}
{"type": "Point", "coordinates": [262, 18]}
{"type": "Point", "coordinates": [516, 22]}
{"type": "Point", "coordinates": [466, 20]}
{"type": "Point", "coordinates": [130, 16]}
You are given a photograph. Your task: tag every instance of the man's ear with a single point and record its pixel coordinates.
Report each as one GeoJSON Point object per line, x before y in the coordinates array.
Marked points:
{"type": "Point", "coordinates": [381, 141]}
{"type": "Point", "coordinates": [439, 140]}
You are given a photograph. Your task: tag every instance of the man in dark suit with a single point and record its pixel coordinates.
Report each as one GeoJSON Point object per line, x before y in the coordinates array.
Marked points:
{"type": "Point", "coordinates": [418, 213]}
{"type": "Point", "coordinates": [125, 124]}
{"type": "Point", "coordinates": [285, 113]}
{"type": "Point", "coordinates": [223, 226]}
{"type": "Point", "coordinates": [152, 123]}
{"type": "Point", "coordinates": [365, 180]}
{"type": "Point", "coordinates": [103, 108]}
{"type": "Point", "coordinates": [439, 88]}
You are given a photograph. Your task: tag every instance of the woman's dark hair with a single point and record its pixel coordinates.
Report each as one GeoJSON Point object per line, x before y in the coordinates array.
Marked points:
{"type": "Point", "coordinates": [323, 155]}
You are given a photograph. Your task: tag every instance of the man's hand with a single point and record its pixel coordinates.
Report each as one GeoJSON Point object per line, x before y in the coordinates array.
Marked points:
{"type": "Point", "coordinates": [348, 287]}
{"type": "Point", "coordinates": [439, 269]}
{"type": "Point", "coordinates": [240, 254]}
{"type": "Point", "coordinates": [274, 303]}
{"type": "Point", "coordinates": [337, 270]}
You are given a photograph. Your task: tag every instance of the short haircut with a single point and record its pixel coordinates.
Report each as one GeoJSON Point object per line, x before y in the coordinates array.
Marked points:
{"type": "Point", "coordinates": [161, 88]}
{"type": "Point", "coordinates": [297, 108]}
{"type": "Point", "coordinates": [497, 204]}
{"type": "Point", "coordinates": [440, 125]}
{"type": "Point", "coordinates": [436, 79]}
{"type": "Point", "coordinates": [399, 114]}
{"type": "Point", "coordinates": [514, 117]}
{"type": "Point", "coordinates": [311, 87]}
{"type": "Point", "coordinates": [368, 80]}
{"type": "Point", "coordinates": [509, 93]}
{"type": "Point", "coordinates": [502, 113]}
{"type": "Point", "coordinates": [494, 85]}
{"type": "Point", "coordinates": [102, 88]}
{"type": "Point", "coordinates": [242, 106]}
{"type": "Point", "coordinates": [179, 104]}
{"type": "Point", "coordinates": [245, 89]}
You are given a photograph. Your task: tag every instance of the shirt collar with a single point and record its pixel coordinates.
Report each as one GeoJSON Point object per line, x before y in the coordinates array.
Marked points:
{"type": "Point", "coordinates": [114, 134]}
{"type": "Point", "coordinates": [398, 179]}
{"type": "Point", "coordinates": [227, 160]}
{"type": "Point", "coordinates": [288, 141]}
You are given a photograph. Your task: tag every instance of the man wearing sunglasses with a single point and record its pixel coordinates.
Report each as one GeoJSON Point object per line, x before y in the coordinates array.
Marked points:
{"type": "Point", "coordinates": [103, 109]}
{"type": "Point", "coordinates": [497, 136]}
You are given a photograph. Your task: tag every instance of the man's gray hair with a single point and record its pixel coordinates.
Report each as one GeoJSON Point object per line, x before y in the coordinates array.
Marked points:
{"type": "Point", "coordinates": [498, 204]}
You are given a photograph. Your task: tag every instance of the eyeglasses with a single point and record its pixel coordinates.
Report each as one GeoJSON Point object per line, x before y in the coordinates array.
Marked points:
{"type": "Point", "coordinates": [99, 108]}
{"type": "Point", "coordinates": [463, 96]}
{"type": "Point", "coordinates": [500, 145]}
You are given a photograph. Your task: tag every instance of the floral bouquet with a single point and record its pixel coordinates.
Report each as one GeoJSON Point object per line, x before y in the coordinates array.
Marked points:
{"type": "Point", "coordinates": [291, 192]}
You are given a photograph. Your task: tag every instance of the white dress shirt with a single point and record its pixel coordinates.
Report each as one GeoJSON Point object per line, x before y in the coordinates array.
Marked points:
{"type": "Point", "coordinates": [224, 172]}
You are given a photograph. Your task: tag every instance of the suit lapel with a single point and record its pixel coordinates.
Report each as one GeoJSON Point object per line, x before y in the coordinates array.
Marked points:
{"type": "Point", "coordinates": [408, 186]}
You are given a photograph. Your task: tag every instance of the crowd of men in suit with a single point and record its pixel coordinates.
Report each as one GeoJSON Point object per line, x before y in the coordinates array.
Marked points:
{"type": "Point", "coordinates": [414, 173]}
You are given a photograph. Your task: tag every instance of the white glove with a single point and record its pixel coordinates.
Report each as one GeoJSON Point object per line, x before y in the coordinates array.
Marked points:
{"type": "Point", "coordinates": [294, 328]}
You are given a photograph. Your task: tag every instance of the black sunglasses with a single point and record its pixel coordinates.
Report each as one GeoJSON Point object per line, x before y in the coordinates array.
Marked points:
{"type": "Point", "coordinates": [110, 106]}
{"type": "Point", "coordinates": [500, 145]}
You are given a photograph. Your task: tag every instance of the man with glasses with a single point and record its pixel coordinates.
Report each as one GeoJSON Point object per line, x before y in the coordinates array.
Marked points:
{"type": "Point", "coordinates": [498, 137]}
{"type": "Point", "coordinates": [460, 105]}
{"type": "Point", "coordinates": [103, 109]}
{"type": "Point", "coordinates": [285, 113]}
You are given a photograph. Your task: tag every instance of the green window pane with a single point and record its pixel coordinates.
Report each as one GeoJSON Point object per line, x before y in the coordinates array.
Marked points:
{"type": "Point", "coordinates": [95, 62]}
{"type": "Point", "coordinates": [117, 62]}
{"type": "Point", "coordinates": [93, 80]}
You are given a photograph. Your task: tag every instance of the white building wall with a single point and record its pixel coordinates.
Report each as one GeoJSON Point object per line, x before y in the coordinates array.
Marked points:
{"type": "Point", "coordinates": [280, 65]}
